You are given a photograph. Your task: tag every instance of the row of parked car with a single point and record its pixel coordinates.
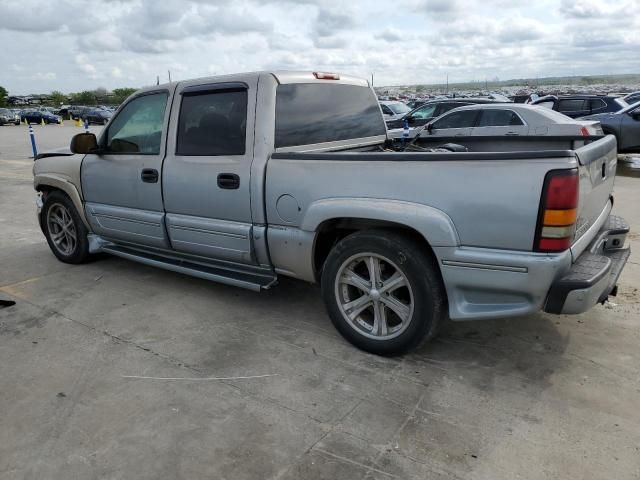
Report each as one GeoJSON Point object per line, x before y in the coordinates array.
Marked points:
{"type": "Point", "coordinates": [579, 115]}
{"type": "Point", "coordinates": [48, 115]}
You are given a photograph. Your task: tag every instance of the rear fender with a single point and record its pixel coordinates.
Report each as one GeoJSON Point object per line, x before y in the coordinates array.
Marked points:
{"type": "Point", "coordinates": [433, 224]}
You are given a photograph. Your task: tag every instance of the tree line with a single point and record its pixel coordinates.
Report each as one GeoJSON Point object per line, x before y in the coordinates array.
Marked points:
{"type": "Point", "coordinates": [98, 96]}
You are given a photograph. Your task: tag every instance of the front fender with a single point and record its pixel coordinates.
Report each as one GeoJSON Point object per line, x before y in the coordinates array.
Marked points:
{"type": "Point", "coordinates": [61, 183]}
{"type": "Point", "coordinates": [433, 224]}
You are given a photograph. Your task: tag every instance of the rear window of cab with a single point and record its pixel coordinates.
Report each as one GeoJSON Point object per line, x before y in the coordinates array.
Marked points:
{"type": "Point", "coordinates": [310, 113]}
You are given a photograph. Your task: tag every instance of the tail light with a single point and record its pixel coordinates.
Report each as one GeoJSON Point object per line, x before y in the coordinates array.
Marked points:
{"type": "Point", "coordinates": [558, 211]}
{"type": "Point", "coordinates": [584, 131]}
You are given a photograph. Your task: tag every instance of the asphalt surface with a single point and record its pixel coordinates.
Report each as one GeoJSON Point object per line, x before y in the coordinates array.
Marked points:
{"type": "Point", "coordinates": [83, 348]}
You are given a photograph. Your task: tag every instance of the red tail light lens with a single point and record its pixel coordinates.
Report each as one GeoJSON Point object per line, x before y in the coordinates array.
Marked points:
{"type": "Point", "coordinates": [584, 131]}
{"type": "Point", "coordinates": [558, 211]}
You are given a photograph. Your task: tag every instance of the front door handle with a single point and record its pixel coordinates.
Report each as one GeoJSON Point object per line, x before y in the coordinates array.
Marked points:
{"type": "Point", "coordinates": [149, 175]}
{"type": "Point", "coordinates": [229, 181]}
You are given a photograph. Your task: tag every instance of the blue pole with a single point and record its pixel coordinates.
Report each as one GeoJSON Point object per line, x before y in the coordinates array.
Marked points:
{"type": "Point", "coordinates": [33, 142]}
{"type": "Point", "coordinates": [86, 126]}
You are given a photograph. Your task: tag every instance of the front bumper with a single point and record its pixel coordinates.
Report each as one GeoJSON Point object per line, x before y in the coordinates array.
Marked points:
{"type": "Point", "coordinates": [594, 275]}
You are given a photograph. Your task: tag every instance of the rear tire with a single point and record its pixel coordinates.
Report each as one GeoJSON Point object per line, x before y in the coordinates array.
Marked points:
{"type": "Point", "coordinates": [404, 305]}
{"type": "Point", "coordinates": [64, 230]}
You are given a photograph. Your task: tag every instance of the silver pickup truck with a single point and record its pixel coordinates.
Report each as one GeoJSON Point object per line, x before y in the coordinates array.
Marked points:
{"type": "Point", "coordinates": [242, 178]}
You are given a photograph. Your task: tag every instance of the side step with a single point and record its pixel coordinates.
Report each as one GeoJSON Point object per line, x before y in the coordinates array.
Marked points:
{"type": "Point", "coordinates": [250, 279]}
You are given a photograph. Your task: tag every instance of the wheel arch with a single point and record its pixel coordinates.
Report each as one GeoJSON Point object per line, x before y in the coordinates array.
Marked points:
{"type": "Point", "coordinates": [46, 183]}
{"type": "Point", "coordinates": [333, 219]}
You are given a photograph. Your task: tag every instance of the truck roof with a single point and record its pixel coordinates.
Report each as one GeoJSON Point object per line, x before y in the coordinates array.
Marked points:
{"type": "Point", "coordinates": [281, 76]}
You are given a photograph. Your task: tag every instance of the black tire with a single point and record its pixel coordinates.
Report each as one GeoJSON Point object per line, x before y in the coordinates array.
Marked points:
{"type": "Point", "coordinates": [420, 270]}
{"type": "Point", "coordinates": [80, 252]}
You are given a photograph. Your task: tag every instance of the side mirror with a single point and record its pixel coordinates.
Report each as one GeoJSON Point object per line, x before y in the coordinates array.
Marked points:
{"type": "Point", "coordinates": [410, 120]}
{"type": "Point", "coordinates": [635, 115]}
{"type": "Point", "coordinates": [84, 143]}
{"type": "Point", "coordinates": [430, 127]}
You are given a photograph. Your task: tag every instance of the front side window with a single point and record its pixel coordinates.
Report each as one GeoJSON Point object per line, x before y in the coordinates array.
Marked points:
{"type": "Point", "coordinates": [498, 118]}
{"type": "Point", "coordinates": [213, 123]}
{"type": "Point", "coordinates": [138, 126]}
{"type": "Point", "coordinates": [462, 119]}
{"type": "Point", "coordinates": [386, 110]}
{"type": "Point", "coordinates": [427, 111]}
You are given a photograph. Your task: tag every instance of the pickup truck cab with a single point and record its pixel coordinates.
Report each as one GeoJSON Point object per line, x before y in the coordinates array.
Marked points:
{"type": "Point", "coordinates": [243, 178]}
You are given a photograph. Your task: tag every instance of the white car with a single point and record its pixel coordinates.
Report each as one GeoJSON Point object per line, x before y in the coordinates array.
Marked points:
{"type": "Point", "coordinates": [512, 119]}
{"type": "Point", "coordinates": [392, 110]}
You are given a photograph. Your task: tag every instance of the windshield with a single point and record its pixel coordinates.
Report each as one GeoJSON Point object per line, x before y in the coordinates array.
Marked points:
{"type": "Point", "coordinates": [398, 108]}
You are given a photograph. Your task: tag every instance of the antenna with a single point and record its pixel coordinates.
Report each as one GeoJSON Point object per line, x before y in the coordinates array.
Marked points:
{"type": "Point", "coordinates": [169, 72]}
{"type": "Point", "coordinates": [157, 79]}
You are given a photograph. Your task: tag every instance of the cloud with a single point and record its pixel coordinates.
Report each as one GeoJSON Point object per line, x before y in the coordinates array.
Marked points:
{"type": "Point", "coordinates": [120, 42]}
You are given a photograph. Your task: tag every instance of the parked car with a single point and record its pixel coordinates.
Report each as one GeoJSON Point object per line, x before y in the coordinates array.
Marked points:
{"type": "Point", "coordinates": [77, 111]}
{"type": "Point", "coordinates": [575, 106]}
{"type": "Point", "coordinates": [624, 125]}
{"type": "Point", "coordinates": [97, 115]}
{"type": "Point", "coordinates": [433, 109]}
{"type": "Point", "coordinates": [632, 98]}
{"type": "Point", "coordinates": [225, 181]}
{"type": "Point", "coordinates": [393, 109]}
{"type": "Point", "coordinates": [38, 116]}
{"type": "Point", "coordinates": [515, 119]}
{"type": "Point", "coordinates": [7, 117]}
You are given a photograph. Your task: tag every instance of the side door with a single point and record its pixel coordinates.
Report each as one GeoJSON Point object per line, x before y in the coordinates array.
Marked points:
{"type": "Point", "coordinates": [122, 186]}
{"type": "Point", "coordinates": [454, 124]}
{"type": "Point", "coordinates": [499, 122]}
{"type": "Point", "coordinates": [207, 172]}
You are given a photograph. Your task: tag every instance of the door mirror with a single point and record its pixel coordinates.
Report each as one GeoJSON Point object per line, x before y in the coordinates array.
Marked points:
{"type": "Point", "coordinates": [84, 143]}
{"type": "Point", "coordinates": [410, 120]}
{"type": "Point", "coordinates": [430, 127]}
{"type": "Point", "coordinates": [635, 114]}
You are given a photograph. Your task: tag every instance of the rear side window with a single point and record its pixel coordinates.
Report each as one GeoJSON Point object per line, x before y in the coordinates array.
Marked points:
{"type": "Point", "coordinates": [462, 119]}
{"type": "Point", "coordinates": [597, 104]}
{"type": "Point", "coordinates": [309, 113]}
{"type": "Point", "coordinates": [213, 123]}
{"type": "Point", "coordinates": [498, 118]}
{"type": "Point", "coordinates": [571, 105]}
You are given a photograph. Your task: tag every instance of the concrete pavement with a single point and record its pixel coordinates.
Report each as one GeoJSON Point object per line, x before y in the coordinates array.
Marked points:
{"type": "Point", "coordinates": [541, 397]}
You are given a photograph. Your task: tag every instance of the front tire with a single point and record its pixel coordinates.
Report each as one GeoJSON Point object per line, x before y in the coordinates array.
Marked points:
{"type": "Point", "coordinates": [383, 291]}
{"type": "Point", "coordinates": [64, 230]}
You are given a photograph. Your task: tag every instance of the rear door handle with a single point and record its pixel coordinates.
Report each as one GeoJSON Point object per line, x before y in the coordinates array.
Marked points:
{"type": "Point", "coordinates": [149, 175]}
{"type": "Point", "coordinates": [229, 181]}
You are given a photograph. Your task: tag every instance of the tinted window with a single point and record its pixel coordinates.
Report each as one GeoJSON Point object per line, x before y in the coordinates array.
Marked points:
{"type": "Point", "coordinates": [597, 104]}
{"type": "Point", "coordinates": [427, 111]}
{"type": "Point", "coordinates": [386, 110]}
{"type": "Point", "coordinates": [138, 126]}
{"type": "Point", "coordinates": [445, 107]}
{"type": "Point", "coordinates": [463, 119]}
{"type": "Point", "coordinates": [570, 105]}
{"type": "Point", "coordinates": [213, 123]}
{"type": "Point", "coordinates": [498, 118]}
{"type": "Point", "coordinates": [317, 113]}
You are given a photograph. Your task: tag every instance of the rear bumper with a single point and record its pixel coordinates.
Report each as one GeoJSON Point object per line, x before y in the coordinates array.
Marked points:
{"type": "Point", "coordinates": [594, 275]}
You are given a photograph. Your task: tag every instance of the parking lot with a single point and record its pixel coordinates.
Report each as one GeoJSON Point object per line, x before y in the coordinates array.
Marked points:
{"type": "Point", "coordinates": [122, 371]}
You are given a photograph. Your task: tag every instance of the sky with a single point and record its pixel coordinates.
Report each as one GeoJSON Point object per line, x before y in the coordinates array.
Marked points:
{"type": "Point", "coordinates": [73, 45]}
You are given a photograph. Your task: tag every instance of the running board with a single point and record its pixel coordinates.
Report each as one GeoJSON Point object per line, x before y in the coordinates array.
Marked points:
{"type": "Point", "coordinates": [251, 280]}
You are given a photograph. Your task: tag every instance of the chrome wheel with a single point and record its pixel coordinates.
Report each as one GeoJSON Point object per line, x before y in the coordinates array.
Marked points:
{"type": "Point", "coordinates": [62, 230]}
{"type": "Point", "coordinates": [374, 296]}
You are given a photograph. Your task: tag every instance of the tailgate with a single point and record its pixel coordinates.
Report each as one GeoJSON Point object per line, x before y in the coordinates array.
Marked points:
{"type": "Point", "coordinates": [597, 166]}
